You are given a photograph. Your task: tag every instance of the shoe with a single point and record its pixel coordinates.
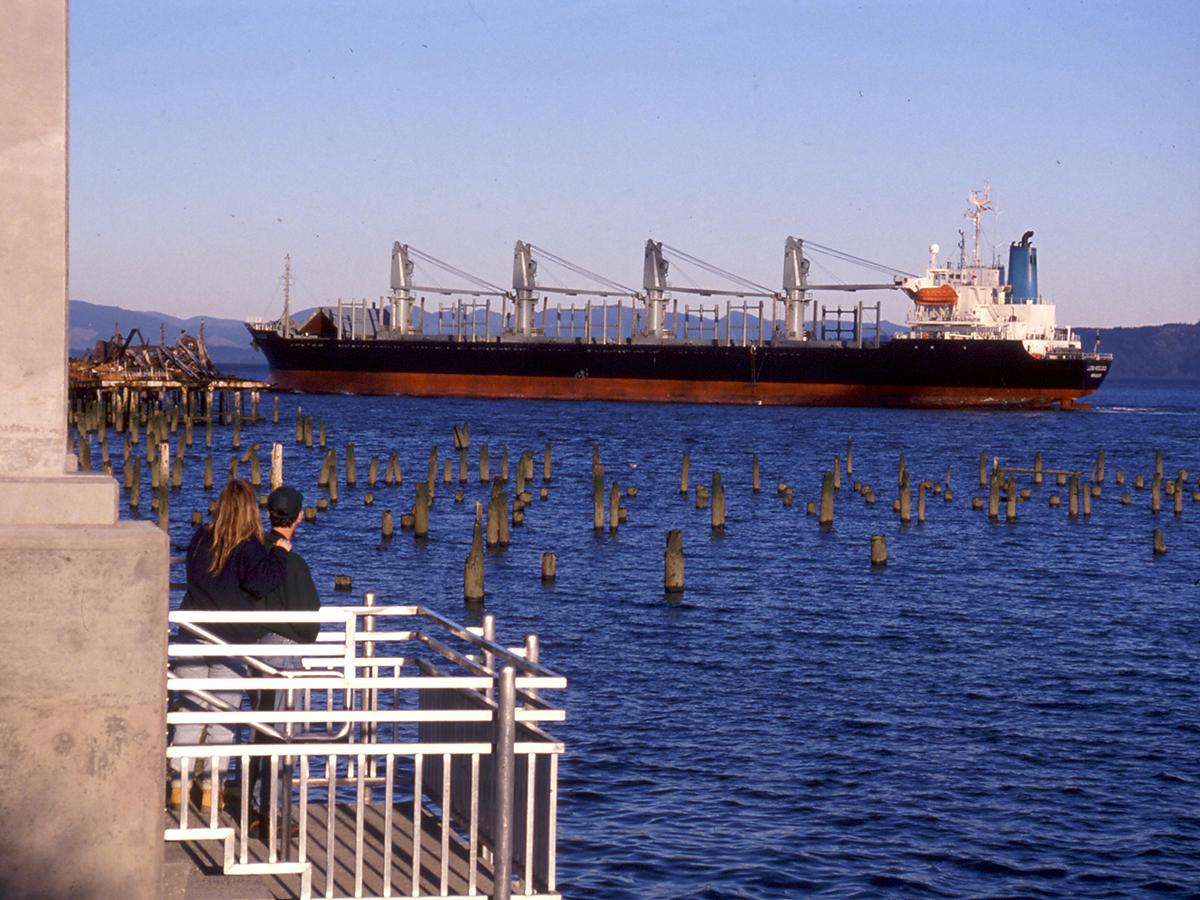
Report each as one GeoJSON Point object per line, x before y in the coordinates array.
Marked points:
{"type": "Point", "coordinates": [174, 795]}
{"type": "Point", "coordinates": [202, 795]}
{"type": "Point", "coordinates": [259, 826]}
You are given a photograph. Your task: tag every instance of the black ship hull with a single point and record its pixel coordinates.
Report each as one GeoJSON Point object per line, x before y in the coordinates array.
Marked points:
{"type": "Point", "coordinates": [901, 372]}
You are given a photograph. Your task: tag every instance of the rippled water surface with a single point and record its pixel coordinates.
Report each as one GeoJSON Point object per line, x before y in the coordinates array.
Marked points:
{"type": "Point", "coordinates": [1004, 709]}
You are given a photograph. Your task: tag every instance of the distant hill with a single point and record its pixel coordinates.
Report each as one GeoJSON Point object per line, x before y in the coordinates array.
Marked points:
{"type": "Point", "coordinates": [227, 339]}
{"type": "Point", "coordinates": [1148, 351]}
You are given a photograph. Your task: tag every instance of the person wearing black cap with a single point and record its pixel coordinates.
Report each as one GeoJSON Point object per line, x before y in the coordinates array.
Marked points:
{"type": "Point", "coordinates": [298, 593]}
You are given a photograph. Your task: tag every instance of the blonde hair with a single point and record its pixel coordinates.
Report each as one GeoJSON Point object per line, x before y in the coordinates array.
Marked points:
{"type": "Point", "coordinates": [235, 519]}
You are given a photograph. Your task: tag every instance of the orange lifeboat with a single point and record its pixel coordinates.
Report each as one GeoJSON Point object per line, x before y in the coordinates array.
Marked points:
{"type": "Point", "coordinates": [942, 295]}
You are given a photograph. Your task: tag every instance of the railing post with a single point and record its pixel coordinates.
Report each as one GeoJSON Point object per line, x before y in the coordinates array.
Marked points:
{"type": "Point", "coordinates": [489, 660]}
{"type": "Point", "coordinates": [505, 768]}
{"type": "Point", "coordinates": [532, 654]}
{"type": "Point", "coordinates": [369, 699]}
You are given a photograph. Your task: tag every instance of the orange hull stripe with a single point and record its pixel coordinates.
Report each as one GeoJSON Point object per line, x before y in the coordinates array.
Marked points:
{"type": "Point", "coordinates": [771, 394]}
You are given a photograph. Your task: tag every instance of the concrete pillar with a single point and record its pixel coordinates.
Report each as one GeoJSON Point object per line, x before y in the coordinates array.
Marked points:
{"type": "Point", "coordinates": [84, 755]}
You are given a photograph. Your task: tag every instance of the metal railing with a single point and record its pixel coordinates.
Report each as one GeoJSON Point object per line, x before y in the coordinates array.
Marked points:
{"type": "Point", "coordinates": [409, 758]}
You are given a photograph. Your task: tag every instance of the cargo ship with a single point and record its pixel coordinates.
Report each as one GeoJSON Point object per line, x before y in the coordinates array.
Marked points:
{"type": "Point", "coordinates": [979, 335]}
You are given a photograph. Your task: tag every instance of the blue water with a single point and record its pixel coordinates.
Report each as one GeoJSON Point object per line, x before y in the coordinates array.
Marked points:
{"type": "Point", "coordinates": [1005, 709]}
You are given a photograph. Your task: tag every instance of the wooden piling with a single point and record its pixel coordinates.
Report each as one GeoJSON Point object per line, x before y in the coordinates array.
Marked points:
{"type": "Point", "coordinates": [276, 465]}
{"type": "Point", "coordinates": [597, 497]}
{"type": "Point", "coordinates": [754, 473]}
{"type": "Point", "coordinates": [421, 509]}
{"type": "Point", "coordinates": [1139, 483]}
{"type": "Point", "coordinates": [718, 503]}
{"type": "Point", "coordinates": [237, 433]}
{"type": "Point", "coordinates": [1011, 500]}
{"type": "Point", "coordinates": [448, 471]}
{"type": "Point", "coordinates": [1037, 467]}
{"type": "Point", "coordinates": [473, 566]}
{"type": "Point", "coordinates": [788, 496]}
{"type": "Point", "coordinates": [1073, 497]}
{"type": "Point", "coordinates": [921, 502]}
{"type": "Point", "coordinates": [299, 424]}
{"type": "Point", "coordinates": [983, 476]}
{"type": "Point", "coordinates": [994, 496]}
{"type": "Point", "coordinates": [546, 467]}
{"type": "Point", "coordinates": [683, 474]}
{"type": "Point", "coordinates": [837, 473]}
{"type": "Point", "coordinates": [1158, 464]}
{"type": "Point", "coordinates": [878, 550]}
{"type": "Point", "coordinates": [373, 471]}
{"type": "Point", "coordinates": [1160, 544]}
{"type": "Point", "coordinates": [485, 469]}
{"type": "Point", "coordinates": [462, 465]}
{"type": "Point", "coordinates": [614, 506]}
{"type": "Point", "coordinates": [549, 566]}
{"type": "Point", "coordinates": [504, 463]}
{"type": "Point", "coordinates": [495, 512]}
{"type": "Point", "coordinates": [905, 496]}
{"type": "Point", "coordinates": [849, 456]}
{"type": "Point", "coordinates": [321, 435]}
{"type": "Point", "coordinates": [826, 514]}
{"type": "Point", "coordinates": [1156, 494]}
{"type": "Point", "coordinates": [701, 497]}
{"type": "Point", "coordinates": [308, 432]}
{"type": "Point", "coordinates": [1179, 498]}
{"type": "Point", "coordinates": [1086, 498]}
{"type": "Point", "coordinates": [351, 467]}
{"type": "Point", "coordinates": [673, 562]}
{"type": "Point", "coordinates": [1055, 500]}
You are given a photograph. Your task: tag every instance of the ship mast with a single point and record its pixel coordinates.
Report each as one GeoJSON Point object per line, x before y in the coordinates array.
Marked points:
{"type": "Point", "coordinates": [402, 269]}
{"type": "Point", "coordinates": [287, 296]}
{"type": "Point", "coordinates": [981, 202]}
{"type": "Point", "coordinates": [654, 284]}
{"type": "Point", "coordinates": [795, 285]}
{"type": "Point", "coordinates": [524, 288]}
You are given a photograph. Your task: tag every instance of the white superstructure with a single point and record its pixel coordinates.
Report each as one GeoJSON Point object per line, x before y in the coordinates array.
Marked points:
{"type": "Point", "coordinates": [975, 301]}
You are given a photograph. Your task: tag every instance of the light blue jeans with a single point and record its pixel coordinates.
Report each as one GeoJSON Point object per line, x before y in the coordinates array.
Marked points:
{"type": "Point", "coordinates": [194, 734]}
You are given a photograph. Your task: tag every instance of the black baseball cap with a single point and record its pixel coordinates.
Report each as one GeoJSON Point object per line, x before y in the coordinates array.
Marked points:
{"type": "Point", "coordinates": [286, 501]}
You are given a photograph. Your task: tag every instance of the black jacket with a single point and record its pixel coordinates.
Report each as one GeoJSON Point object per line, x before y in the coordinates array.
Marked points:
{"type": "Point", "coordinates": [250, 573]}
{"type": "Point", "coordinates": [297, 594]}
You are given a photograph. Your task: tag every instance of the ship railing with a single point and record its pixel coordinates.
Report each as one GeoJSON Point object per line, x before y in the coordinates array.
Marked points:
{"type": "Point", "coordinates": [407, 755]}
{"type": "Point", "coordinates": [849, 325]}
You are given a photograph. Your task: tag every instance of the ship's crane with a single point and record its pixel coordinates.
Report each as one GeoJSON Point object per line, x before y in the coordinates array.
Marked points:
{"type": "Point", "coordinates": [403, 288]}
{"type": "Point", "coordinates": [654, 284]}
{"type": "Point", "coordinates": [526, 288]}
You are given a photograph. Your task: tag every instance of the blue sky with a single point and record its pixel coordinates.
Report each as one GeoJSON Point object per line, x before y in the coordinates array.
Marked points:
{"type": "Point", "coordinates": [209, 139]}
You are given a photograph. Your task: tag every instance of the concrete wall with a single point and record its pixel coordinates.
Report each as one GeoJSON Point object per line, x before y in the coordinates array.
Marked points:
{"type": "Point", "coordinates": [83, 598]}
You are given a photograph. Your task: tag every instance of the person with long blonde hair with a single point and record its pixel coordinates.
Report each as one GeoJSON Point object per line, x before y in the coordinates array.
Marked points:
{"type": "Point", "coordinates": [228, 568]}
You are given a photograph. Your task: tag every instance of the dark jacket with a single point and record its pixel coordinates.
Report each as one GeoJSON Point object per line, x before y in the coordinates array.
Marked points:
{"type": "Point", "coordinates": [298, 594]}
{"type": "Point", "coordinates": [250, 573]}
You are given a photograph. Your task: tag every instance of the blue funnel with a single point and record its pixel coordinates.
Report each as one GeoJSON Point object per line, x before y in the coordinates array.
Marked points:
{"type": "Point", "coordinates": [1022, 270]}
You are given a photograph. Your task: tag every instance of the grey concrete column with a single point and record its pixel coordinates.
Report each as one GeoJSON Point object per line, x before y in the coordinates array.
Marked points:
{"type": "Point", "coordinates": [83, 597]}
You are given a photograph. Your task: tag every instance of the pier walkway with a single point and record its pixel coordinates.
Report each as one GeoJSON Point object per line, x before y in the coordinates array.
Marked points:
{"type": "Point", "coordinates": [394, 716]}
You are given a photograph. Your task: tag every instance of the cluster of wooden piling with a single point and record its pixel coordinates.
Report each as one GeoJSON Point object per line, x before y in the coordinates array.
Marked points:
{"type": "Point", "coordinates": [171, 424]}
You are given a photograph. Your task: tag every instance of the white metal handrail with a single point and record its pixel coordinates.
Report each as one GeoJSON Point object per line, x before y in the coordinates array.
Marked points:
{"type": "Point", "coordinates": [421, 736]}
